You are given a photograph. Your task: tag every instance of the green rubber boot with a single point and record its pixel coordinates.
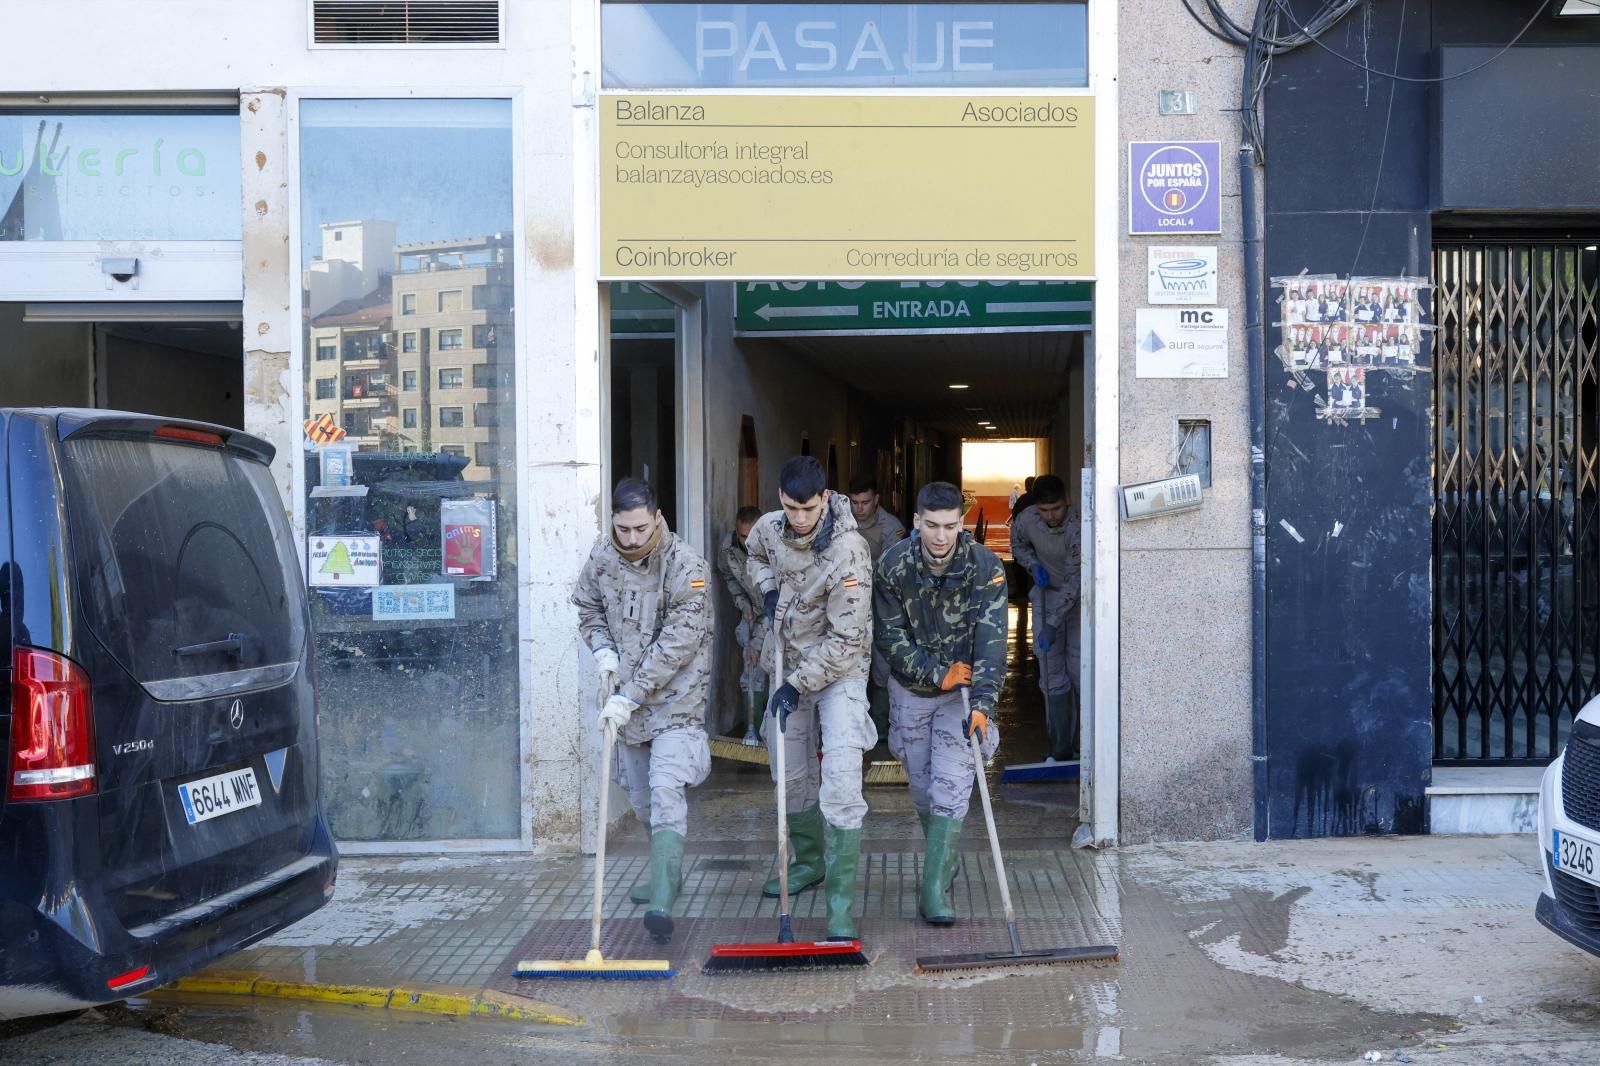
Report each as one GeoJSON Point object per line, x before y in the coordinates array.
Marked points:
{"type": "Point", "coordinates": [639, 894]}
{"type": "Point", "coordinates": [755, 704]}
{"type": "Point", "coordinates": [955, 855]}
{"type": "Point", "coordinates": [843, 851]}
{"type": "Point", "coordinates": [806, 871]}
{"type": "Point", "coordinates": [666, 878]}
{"type": "Point", "coordinates": [939, 870]}
{"type": "Point", "coordinates": [1058, 712]}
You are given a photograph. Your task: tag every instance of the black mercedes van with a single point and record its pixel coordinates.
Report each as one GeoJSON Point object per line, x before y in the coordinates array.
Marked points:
{"type": "Point", "coordinates": [158, 733]}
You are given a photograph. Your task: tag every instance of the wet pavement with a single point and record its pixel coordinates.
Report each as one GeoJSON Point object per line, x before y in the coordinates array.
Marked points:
{"type": "Point", "coordinates": [1234, 952]}
{"type": "Point", "coordinates": [1313, 951]}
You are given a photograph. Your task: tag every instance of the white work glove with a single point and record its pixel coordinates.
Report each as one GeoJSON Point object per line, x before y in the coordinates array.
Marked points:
{"type": "Point", "coordinates": [609, 665]}
{"type": "Point", "coordinates": [615, 714]}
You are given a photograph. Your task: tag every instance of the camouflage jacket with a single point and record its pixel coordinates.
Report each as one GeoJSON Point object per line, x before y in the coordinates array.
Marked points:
{"type": "Point", "coordinates": [883, 533]}
{"type": "Point", "coordinates": [656, 615]}
{"type": "Point", "coordinates": [1058, 550]}
{"type": "Point", "coordinates": [824, 598]}
{"type": "Point", "coordinates": [733, 563]}
{"type": "Point", "coordinates": [923, 622]}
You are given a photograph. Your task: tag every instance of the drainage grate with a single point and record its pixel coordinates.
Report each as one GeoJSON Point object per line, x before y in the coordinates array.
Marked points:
{"type": "Point", "coordinates": [395, 22]}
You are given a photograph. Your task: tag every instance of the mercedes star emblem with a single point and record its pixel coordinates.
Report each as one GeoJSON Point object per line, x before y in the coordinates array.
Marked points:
{"type": "Point", "coordinates": [236, 714]}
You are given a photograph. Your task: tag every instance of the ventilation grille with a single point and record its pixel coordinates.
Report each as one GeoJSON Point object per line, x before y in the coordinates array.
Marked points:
{"type": "Point", "coordinates": [392, 22]}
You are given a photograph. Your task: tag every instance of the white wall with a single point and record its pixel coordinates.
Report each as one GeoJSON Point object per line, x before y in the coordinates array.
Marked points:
{"type": "Point", "coordinates": [261, 51]}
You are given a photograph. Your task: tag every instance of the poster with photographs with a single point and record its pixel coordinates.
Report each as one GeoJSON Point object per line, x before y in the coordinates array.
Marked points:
{"type": "Point", "coordinates": [1348, 330]}
{"type": "Point", "coordinates": [1314, 301]}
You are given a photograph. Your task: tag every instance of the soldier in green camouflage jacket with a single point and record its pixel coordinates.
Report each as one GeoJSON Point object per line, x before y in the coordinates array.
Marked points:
{"type": "Point", "coordinates": [939, 609]}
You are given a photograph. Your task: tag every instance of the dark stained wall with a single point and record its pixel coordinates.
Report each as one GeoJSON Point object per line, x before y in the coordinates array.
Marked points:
{"type": "Point", "coordinates": [1350, 190]}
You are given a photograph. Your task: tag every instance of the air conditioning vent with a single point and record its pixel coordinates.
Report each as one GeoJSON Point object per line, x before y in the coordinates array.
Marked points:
{"type": "Point", "coordinates": [380, 23]}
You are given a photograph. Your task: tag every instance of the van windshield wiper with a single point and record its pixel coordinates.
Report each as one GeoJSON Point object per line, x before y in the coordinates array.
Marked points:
{"type": "Point", "coordinates": [234, 644]}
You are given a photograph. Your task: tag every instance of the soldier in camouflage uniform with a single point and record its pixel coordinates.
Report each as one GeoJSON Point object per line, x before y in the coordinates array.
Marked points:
{"type": "Point", "coordinates": [733, 563]}
{"type": "Point", "coordinates": [815, 577]}
{"type": "Point", "coordinates": [1045, 541]}
{"type": "Point", "coordinates": [882, 531]}
{"type": "Point", "coordinates": [939, 619]}
{"type": "Point", "coordinates": [644, 612]}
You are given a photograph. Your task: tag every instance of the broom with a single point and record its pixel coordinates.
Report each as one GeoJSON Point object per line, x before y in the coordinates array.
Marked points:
{"type": "Point", "coordinates": [1016, 956]}
{"type": "Point", "coordinates": [749, 749]}
{"type": "Point", "coordinates": [784, 953]}
{"type": "Point", "coordinates": [594, 965]}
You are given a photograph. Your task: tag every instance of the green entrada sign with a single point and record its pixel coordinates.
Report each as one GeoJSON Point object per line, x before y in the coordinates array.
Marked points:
{"type": "Point", "coordinates": [910, 306]}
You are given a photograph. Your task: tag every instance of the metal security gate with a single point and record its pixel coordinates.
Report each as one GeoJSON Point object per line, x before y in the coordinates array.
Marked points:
{"type": "Point", "coordinates": [1516, 528]}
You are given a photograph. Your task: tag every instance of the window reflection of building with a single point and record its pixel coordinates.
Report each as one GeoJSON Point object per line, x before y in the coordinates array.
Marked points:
{"type": "Point", "coordinates": [459, 296]}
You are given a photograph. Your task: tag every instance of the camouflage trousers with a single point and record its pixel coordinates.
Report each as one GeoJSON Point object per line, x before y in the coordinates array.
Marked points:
{"type": "Point", "coordinates": [840, 711]}
{"type": "Point", "coordinates": [657, 773]}
{"type": "Point", "coordinates": [1058, 667]}
{"type": "Point", "coordinates": [925, 735]}
{"type": "Point", "coordinates": [753, 678]}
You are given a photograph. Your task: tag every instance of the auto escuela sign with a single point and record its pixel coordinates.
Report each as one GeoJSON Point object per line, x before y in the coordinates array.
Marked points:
{"type": "Point", "coordinates": [1173, 187]}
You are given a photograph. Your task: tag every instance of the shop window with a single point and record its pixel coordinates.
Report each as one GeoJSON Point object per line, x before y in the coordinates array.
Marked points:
{"type": "Point", "coordinates": [450, 340]}
{"type": "Point", "coordinates": [325, 388]}
{"type": "Point", "coordinates": [418, 666]}
{"type": "Point", "coordinates": [452, 417]}
{"type": "Point", "coordinates": [449, 300]}
{"type": "Point", "coordinates": [327, 349]}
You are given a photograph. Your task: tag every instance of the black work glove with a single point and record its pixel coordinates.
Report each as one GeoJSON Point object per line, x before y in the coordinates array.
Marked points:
{"type": "Point", "coordinates": [784, 702]}
{"type": "Point", "coordinates": [769, 605]}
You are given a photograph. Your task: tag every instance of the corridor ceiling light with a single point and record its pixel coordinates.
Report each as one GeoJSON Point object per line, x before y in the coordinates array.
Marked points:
{"type": "Point", "coordinates": [961, 386]}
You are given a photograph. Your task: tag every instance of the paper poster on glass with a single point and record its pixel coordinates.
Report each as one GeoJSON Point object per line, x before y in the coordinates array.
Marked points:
{"type": "Point", "coordinates": [344, 561]}
{"type": "Point", "coordinates": [466, 529]}
{"type": "Point", "coordinates": [392, 603]}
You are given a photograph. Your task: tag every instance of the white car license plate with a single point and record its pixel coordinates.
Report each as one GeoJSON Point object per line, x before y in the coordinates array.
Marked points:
{"type": "Point", "coordinates": [212, 797]}
{"type": "Point", "coordinates": [1577, 856]}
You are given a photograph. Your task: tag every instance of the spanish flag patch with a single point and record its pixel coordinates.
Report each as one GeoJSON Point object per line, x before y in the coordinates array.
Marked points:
{"type": "Point", "coordinates": [697, 584]}
{"type": "Point", "coordinates": [850, 582]}
{"type": "Point", "coordinates": [998, 579]}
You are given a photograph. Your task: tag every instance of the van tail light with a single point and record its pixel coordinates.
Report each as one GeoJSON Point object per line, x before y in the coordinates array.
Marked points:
{"type": "Point", "coordinates": [132, 977]}
{"type": "Point", "coordinates": [52, 728]}
{"type": "Point", "coordinates": [190, 436]}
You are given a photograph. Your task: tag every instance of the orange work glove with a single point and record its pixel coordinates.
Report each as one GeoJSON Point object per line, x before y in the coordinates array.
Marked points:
{"type": "Point", "coordinates": [958, 674]}
{"type": "Point", "coordinates": [976, 722]}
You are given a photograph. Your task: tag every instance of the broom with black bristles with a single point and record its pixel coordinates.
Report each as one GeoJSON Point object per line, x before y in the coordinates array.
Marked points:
{"type": "Point", "coordinates": [784, 953]}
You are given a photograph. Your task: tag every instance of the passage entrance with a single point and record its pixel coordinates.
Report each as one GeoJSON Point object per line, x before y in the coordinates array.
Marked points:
{"type": "Point", "coordinates": [1516, 571]}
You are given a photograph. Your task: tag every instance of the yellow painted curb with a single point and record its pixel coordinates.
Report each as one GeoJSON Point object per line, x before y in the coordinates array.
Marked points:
{"type": "Point", "coordinates": [422, 999]}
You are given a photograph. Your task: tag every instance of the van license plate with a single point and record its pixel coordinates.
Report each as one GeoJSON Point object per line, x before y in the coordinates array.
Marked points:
{"type": "Point", "coordinates": [1578, 857]}
{"type": "Point", "coordinates": [212, 797]}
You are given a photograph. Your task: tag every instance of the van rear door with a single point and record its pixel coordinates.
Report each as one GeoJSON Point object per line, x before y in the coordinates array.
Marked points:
{"type": "Point", "coordinates": [204, 718]}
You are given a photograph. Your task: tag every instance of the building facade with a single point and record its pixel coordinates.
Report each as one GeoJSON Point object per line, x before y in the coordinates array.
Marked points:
{"type": "Point", "coordinates": [379, 248]}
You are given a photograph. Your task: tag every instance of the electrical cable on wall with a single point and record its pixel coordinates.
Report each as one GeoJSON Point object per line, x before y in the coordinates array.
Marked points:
{"type": "Point", "coordinates": [1265, 39]}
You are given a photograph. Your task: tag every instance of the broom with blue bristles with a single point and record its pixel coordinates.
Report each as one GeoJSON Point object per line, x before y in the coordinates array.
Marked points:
{"type": "Point", "coordinates": [596, 966]}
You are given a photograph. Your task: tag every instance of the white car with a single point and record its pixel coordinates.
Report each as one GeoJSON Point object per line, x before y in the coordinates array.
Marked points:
{"type": "Point", "coordinates": [1569, 836]}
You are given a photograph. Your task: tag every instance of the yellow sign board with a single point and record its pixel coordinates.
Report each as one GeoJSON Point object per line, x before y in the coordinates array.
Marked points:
{"type": "Point", "coordinates": [846, 187]}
